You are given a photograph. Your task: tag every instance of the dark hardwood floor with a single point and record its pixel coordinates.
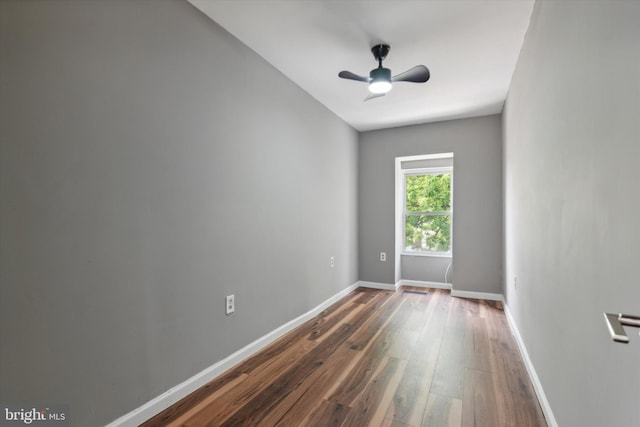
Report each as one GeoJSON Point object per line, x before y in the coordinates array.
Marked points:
{"type": "Point", "coordinates": [414, 357]}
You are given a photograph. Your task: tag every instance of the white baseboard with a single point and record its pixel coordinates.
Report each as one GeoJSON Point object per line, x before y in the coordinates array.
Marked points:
{"type": "Point", "coordinates": [423, 284]}
{"type": "Point", "coordinates": [376, 285]}
{"type": "Point", "coordinates": [477, 295]}
{"type": "Point", "coordinates": [537, 385]}
{"type": "Point", "coordinates": [182, 390]}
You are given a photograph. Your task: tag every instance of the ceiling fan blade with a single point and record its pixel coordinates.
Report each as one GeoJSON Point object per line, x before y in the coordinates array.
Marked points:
{"type": "Point", "coordinates": [373, 95]}
{"type": "Point", "coordinates": [351, 76]}
{"type": "Point", "coordinates": [417, 74]}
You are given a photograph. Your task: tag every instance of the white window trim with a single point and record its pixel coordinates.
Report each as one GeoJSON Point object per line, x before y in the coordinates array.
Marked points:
{"type": "Point", "coordinates": [425, 171]}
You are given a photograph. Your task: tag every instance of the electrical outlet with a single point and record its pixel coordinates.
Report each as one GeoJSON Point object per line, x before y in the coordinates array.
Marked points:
{"type": "Point", "coordinates": [230, 304]}
{"type": "Point", "coordinates": [332, 262]}
{"type": "Point", "coordinates": [383, 256]}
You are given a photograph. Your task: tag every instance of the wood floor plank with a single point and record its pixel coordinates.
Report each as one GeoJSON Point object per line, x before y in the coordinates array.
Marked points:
{"type": "Point", "coordinates": [436, 321]}
{"type": "Point", "coordinates": [389, 391]}
{"type": "Point", "coordinates": [330, 318]}
{"type": "Point", "coordinates": [369, 408]}
{"type": "Point", "coordinates": [274, 350]}
{"type": "Point", "coordinates": [405, 340]}
{"type": "Point", "coordinates": [269, 398]}
{"type": "Point", "coordinates": [448, 377]}
{"type": "Point", "coordinates": [325, 324]}
{"type": "Point", "coordinates": [410, 398]}
{"type": "Point", "coordinates": [388, 422]}
{"type": "Point", "coordinates": [374, 353]}
{"type": "Point", "coordinates": [367, 294]}
{"type": "Point", "coordinates": [370, 328]}
{"type": "Point", "coordinates": [185, 418]}
{"type": "Point", "coordinates": [479, 401]}
{"type": "Point", "coordinates": [306, 398]}
{"type": "Point", "coordinates": [478, 346]}
{"type": "Point", "coordinates": [347, 318]}
{"type": "Point", "coordinates": [442, 411]}
{"type": "Point", "coordinates": [327, 414]}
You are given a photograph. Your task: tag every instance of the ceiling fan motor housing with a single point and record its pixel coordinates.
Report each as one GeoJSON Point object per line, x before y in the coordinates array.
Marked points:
{"type": "Point", "coordinates": [380, 74]}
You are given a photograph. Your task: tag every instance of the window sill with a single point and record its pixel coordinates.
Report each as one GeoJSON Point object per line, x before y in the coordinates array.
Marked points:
{"type": "Point", "coordinates": [431, 255]}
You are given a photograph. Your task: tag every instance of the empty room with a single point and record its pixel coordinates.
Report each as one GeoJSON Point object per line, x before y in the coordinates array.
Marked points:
{"type": "Point", "coordinates": [319, 213]}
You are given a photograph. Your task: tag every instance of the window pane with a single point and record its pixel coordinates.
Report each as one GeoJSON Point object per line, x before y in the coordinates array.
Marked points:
{"type": "Point", "coordinates": [428, 233]}
{"type": "Point", "coordinates": [428, 193]}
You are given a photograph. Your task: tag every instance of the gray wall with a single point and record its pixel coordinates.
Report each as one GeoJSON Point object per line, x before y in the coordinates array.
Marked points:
{"type": "Point", "coordinates": [477, 217]}
{"type": "Point", "coordinates": [150, 165]}
{"type": "Point", "coordinates": [572, 133]}
{"type": "Point", "coordinates": [426, 268]}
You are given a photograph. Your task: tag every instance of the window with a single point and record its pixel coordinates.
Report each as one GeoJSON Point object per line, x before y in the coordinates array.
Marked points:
{"type": "Point", "coordinates": [427, 211]}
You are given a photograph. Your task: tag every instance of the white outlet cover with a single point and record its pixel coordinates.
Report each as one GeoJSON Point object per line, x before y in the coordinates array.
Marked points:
{"type": "Point", "coordinates": [230, 304]}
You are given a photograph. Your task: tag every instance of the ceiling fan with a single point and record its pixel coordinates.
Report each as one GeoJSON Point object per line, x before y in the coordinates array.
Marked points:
{"type": "Point", "coordinates": [380, 79]}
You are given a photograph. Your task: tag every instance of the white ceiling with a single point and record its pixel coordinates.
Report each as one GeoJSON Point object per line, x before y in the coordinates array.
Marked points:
{"type": "Point", "coordinates": [470, 47]}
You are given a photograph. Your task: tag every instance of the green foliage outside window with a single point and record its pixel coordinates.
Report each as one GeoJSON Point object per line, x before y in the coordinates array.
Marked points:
{"type": "Point", "coordinates": [428, 217]}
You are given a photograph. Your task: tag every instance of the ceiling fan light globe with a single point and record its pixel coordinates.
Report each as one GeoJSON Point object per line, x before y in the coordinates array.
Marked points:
{"type": "Point", "coordinates": [379, 86]}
